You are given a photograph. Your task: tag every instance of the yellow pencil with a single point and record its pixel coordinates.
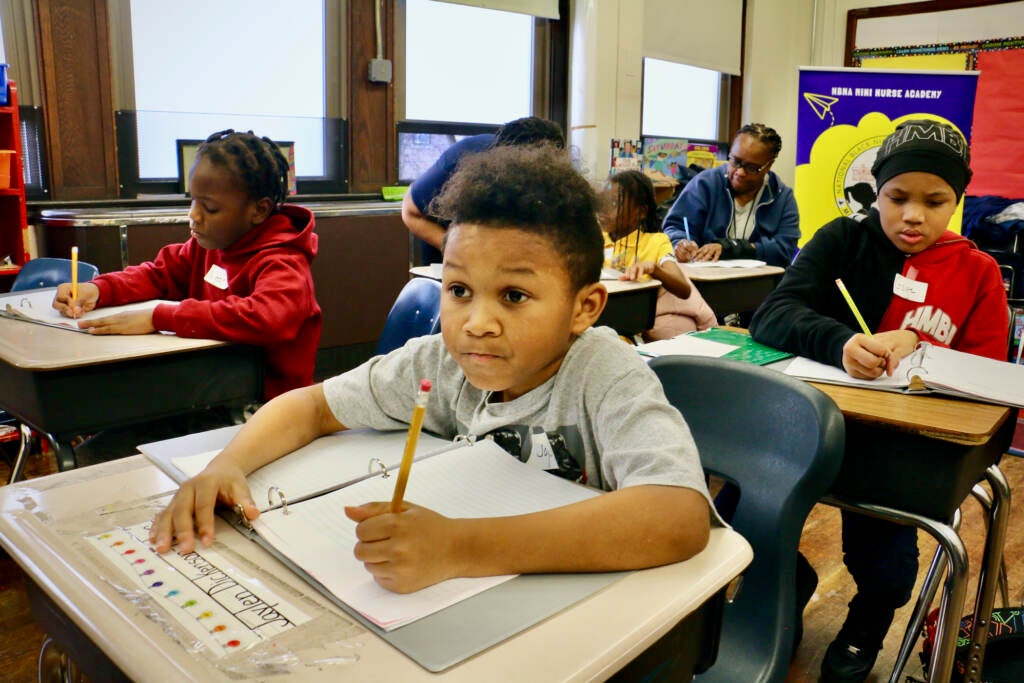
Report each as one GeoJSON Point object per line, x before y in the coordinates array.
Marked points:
{"type": "Point", "coordinates": [853, 306]}
{"type": "Point", "coordinates": [410, 445]}
{"type": "Point", "coordinates": [74, 273]}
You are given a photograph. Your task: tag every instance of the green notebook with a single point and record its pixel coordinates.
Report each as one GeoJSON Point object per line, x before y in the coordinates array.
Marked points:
{"type": "Point", "coordinates": [749, 351]}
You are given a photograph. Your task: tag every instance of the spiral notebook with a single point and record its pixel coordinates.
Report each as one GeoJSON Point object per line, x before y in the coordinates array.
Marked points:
{"type": "Point", "coordinates": [455, 479]}
{"type": "Point", "coordinates": [932, 369]}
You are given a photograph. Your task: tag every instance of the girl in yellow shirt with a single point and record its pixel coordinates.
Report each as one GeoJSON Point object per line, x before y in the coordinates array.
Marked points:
{"type": "Point", "coordinates": [635, 245]}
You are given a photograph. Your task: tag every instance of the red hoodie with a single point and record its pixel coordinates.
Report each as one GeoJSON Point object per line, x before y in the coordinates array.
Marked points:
{"type": "Point", "coordinates": [268, 300]}
{"type": "Point", "coordinates": [964, 306]}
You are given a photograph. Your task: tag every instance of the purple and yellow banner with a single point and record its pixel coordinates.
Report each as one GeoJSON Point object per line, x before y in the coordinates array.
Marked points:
{"type": "Point", "coordinates": [843, 116]}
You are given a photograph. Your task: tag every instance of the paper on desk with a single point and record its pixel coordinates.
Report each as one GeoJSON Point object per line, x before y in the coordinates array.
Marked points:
{"type": "Point", "coordinates": [36, 306]}
{"type": "Point", "coordinates": [727, 263]}
{"type": "Point", "coordinates": [329, 461]}
{"type": "Point", "coordinates": [813, 371]}
{"type": "Point", "coordinates": [685, 345]}
{"type": "Point", "coordinates": [480, 480]}
{"type": "Point", "coordinates": [610, 274]}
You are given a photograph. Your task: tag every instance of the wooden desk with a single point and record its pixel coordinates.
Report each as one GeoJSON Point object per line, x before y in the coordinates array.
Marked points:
{"type": "Point", "coordinates": [109, 634]}
{"type": "Point", "coordinates": [734, 290]}
{"type": "Point", "coordinates": [913, 460]}
{"type": "Point", "coordinates": [62, 383]}
{"type": "Point", "coordinates": [630, 309]}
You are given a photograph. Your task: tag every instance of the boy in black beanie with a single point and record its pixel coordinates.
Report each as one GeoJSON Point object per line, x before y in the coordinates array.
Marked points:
{"type": "Point", "coordinates": [913, 281]}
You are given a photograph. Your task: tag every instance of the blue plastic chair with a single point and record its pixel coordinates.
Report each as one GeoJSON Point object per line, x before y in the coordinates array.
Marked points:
{"type": "Point", "coordinates": [37, 274]}
{"type": "Point", "coordinates": [781, 442]}
{"type": "Point", "coordinates": [50, 272]}
{"type": "Point", "coordinates": [414, 314]}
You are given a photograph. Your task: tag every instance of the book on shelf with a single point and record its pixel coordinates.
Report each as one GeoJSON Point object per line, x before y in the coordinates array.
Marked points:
{"type": "Point", "coordinates": [932, 369]}
{"type": "Point", "coordinates": [36, 306]}
{"type": "Point", "coordinates": [302, 522]}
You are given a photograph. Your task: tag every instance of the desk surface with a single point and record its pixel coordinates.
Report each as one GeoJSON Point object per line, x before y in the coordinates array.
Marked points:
{"type": "Point", "coordinates": [30, 346]}
{"type": "Point", "coordinates": [37, 347]}
{"type": "Point", "coordinates": [589, 641]}
{"type": "Point", "coordinates": [951, 419]}
{"type": "Point", "coordinates": [715, 274]}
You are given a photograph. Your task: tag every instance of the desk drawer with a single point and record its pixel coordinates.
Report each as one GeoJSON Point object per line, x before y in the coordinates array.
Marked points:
{"type": "Point", "coordinates": [914, 473]}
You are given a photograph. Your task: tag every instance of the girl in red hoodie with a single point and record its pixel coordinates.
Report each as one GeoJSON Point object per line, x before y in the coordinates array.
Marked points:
{"type": "Point", "coordinates": [244, 274]}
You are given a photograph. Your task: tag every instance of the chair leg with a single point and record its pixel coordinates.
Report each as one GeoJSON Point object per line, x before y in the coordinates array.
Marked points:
{"type": "Point", "coordinates": [981, 494]}
{"type": "Point", "coordinates": [929, 587]}
{"type": "Point", "coordinates": [954, 590]}
{"type": "Point", "coordinates": [994, 540]}
{"type": "Point", "coordinates": [23, 448]}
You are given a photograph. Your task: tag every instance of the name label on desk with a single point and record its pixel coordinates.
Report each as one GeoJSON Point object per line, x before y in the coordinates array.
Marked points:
{"type": "Point", "coordinates": [210, 597]}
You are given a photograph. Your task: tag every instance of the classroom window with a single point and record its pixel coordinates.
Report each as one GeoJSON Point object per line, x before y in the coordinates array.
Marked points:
{"type": "Point", "coordinates": [681, 101]}
{"type": "Point", "coordinates": [455, 88]}
{"type": "Point", "coordinates": [198, 67]}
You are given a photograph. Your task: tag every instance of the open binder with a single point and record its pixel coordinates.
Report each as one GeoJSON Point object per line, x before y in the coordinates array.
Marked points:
{"type": "Point", "coordinates": [930, 369]}
{"type": "Point", "coordinates": [302, 523]}
{"type": "Point", "coordinates": [36, 306]}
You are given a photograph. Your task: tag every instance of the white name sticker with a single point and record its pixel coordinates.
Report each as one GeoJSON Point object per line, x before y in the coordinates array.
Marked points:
{"type": "Point", "coordinates": [911, 290]}
{"type": "Point", "coordinates": [217, 276]}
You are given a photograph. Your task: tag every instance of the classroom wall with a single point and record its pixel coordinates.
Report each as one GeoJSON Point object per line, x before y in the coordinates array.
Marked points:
{"type": "Point", "coordinates": [781, 36]}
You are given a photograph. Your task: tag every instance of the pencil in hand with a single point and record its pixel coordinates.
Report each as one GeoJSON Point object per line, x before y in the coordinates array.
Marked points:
{"type": "Point", "coordinates": [853, 306]}
{"type": "Point", "coordinates": [74, 273]}
{"type": "Point", "coordinates": [419, 409]}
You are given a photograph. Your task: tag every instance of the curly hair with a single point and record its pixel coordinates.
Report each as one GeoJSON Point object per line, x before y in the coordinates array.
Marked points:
{"type": "Point", "coordinates": [535, 189]}
{"type": "Point", "coordinates": [767, 136]}
{"type": "Point", "coordinates": [257, 163]}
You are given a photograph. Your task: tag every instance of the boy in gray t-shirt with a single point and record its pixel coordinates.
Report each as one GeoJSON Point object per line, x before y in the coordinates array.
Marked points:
{"type": "Point", "coordinates": [517, 362]}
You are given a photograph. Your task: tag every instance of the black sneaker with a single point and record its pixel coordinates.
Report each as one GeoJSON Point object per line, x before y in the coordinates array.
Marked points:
{"type": "Point", "coordinates": [846, 663]}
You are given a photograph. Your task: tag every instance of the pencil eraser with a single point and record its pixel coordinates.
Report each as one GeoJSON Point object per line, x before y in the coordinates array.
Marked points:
{"type": "Point", "coordinates": [425, 385]}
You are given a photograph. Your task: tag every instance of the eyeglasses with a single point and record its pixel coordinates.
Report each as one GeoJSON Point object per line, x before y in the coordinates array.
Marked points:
{"type": "Point", "coordinates": [748, 168]}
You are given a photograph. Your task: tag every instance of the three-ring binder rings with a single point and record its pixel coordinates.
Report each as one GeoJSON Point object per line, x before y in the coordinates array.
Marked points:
{"type": "Point", "coordinates": [36, 306]}
{"type": "Point", "coordinates": [935, 369]}
{"type": "Point", "coordinates": [301, 522]}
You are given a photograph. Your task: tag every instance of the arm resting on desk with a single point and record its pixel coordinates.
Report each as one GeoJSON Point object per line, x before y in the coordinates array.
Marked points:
{"type": "Point", "coordinates": [284, 424]}
{"type": "Point", "coordinates": [631, 528]}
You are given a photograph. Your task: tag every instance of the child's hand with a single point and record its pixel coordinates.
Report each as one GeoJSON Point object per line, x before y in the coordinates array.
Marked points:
{"type": "Point", "coordinates": [88, 295]}
{"type": "Point", "coordinates": [406, 551]}
{"type": "Point", "coordinates": [638, 270]}
{"type": "Point", "coordinates": [867, 357]}
{"type": "Point", "coordinates": [190, 512]}
{"type": "Point", "coordinates": [685, 250]}
{"type": "Point", "coordinates": [132, 322]}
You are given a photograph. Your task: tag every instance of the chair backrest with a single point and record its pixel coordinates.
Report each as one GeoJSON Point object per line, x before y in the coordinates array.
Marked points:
{"type": "Point", "coordinates": [414, 314]}
{"type": "Point", "coordinates": [781, 442]}
{"type": "Point", "coordinates": [50, 272]}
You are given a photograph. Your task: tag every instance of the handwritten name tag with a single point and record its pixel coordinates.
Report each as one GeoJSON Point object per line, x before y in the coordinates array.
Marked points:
{"type": "Point", "coordinates": [218, 277]}
{"type": "Point", "coordinates": [911, 290]}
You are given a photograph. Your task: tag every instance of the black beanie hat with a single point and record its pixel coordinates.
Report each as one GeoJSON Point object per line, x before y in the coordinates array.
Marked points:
{"type": "Point", "coordinates": [924, 145]}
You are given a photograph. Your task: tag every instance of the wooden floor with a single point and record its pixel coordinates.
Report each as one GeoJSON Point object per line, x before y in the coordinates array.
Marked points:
{"type": "Point", "coordinates": [20, 638]}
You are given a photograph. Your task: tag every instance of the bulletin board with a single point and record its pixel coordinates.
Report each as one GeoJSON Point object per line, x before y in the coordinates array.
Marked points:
{"type": "Point", "coordinates": [996, 146]}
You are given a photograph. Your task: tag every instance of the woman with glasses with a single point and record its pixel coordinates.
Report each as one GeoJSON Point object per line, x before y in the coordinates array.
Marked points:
{"type": "Point", "coordinates": [740, 209]}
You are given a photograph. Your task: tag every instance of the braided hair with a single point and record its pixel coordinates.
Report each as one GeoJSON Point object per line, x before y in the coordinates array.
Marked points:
{"type": "Point", "coordinates": [764, 134]}
{"type": "Point", "coordinates": [255, 161]}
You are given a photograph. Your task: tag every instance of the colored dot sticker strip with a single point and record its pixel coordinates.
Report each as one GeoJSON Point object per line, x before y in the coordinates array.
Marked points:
{"type": "Point", "coordinates": [205, 594]}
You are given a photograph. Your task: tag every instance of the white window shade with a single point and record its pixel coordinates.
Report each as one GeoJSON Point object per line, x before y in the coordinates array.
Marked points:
{"type": "Point", "coordinates": [695, 32]}
{"type": "Point", "coordinates": [545, 9]}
